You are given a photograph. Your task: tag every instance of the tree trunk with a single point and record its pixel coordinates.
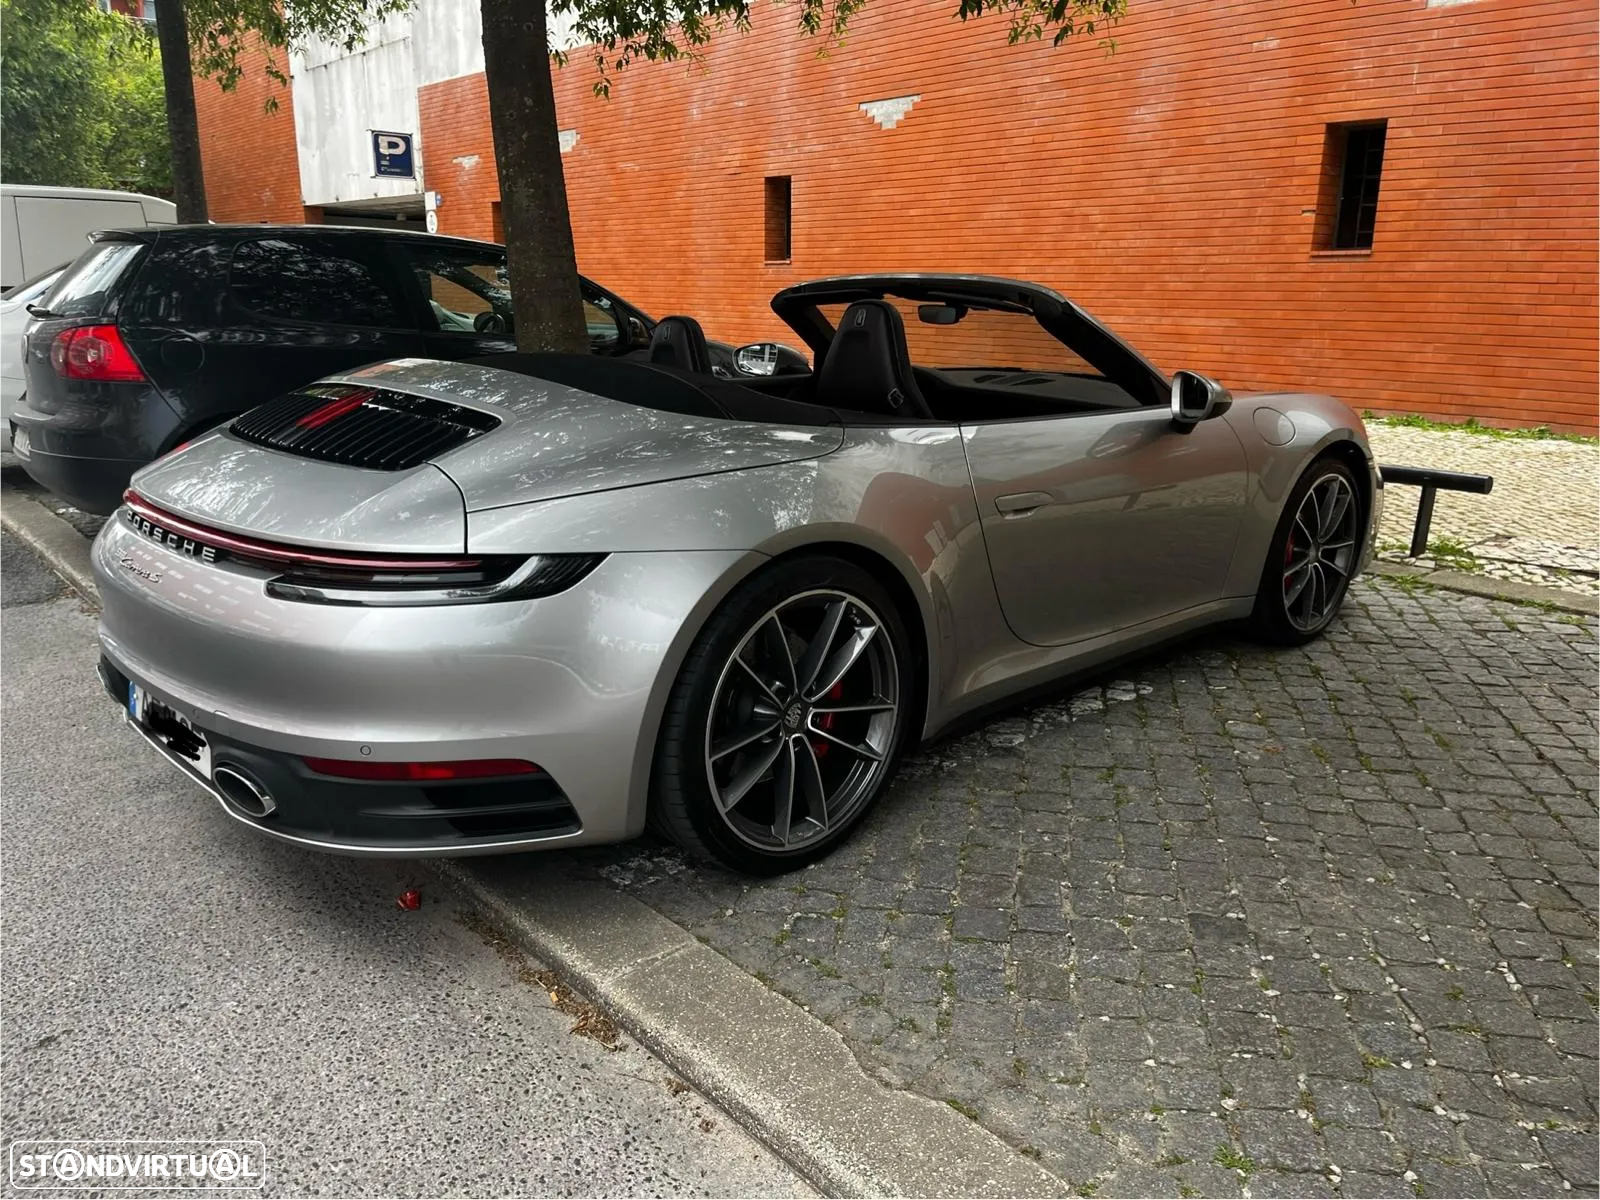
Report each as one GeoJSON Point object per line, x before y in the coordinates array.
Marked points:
{"type": "Point", "coordinates": [533, 191]}
{"type": "Point", "coordinates": [188, 181]}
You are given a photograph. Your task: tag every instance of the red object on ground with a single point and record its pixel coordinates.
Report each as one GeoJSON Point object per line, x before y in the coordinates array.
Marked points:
{"type": "Point", "coordinates": [410, 900]}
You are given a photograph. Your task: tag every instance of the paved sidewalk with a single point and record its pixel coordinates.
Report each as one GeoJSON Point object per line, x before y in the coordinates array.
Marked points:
{"type": "Point", "coordinates": [16, 479]}
{"type": "Point", "coordinates": [1540, 525]}
{"type": "Point", "coordinates": [1314, 922]}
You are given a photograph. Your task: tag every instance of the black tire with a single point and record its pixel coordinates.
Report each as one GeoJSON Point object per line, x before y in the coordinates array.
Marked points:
{"type": "Point", "coordinates": [683, 806]}
{"type": "Point", "coordinates": [1274, 619]}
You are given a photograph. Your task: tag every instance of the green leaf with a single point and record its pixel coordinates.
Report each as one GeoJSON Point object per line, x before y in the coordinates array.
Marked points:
{"type": "Point", "coordinates": [81, 98]}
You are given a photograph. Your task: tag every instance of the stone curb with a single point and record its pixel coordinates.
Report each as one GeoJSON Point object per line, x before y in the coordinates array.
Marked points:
{"type": "Point", "coordinates": [782, 1074]}
{"type": "Point", "coordinates": [1492, 589]}
{"type": "Point", "coordinates": [58, 543]}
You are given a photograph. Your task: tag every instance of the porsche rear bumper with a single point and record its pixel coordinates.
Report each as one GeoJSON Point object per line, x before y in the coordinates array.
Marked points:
{"type": "Point", "coordinates": [485, 816]}
{"type": "Point", "coordinates": [571, 682]}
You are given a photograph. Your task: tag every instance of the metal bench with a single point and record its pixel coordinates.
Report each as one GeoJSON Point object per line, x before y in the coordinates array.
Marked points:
{"type": "Point", "coordinates": [1430, 482]}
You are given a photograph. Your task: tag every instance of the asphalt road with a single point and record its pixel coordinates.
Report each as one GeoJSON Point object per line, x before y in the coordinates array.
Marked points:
{"type": "Point", "coordinates": [166, 974]}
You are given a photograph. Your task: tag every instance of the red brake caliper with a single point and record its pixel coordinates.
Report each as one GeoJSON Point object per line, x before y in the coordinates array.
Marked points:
{"type": "Point", "coordinates": [834, 693]}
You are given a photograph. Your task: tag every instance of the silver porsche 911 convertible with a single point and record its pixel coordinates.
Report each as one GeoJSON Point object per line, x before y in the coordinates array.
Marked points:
{"type": "Point", "coordinates": [430, 608]}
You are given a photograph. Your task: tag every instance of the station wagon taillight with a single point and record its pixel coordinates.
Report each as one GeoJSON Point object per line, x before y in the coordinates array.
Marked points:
{"type": "Point", "coordinates": [96, 353]}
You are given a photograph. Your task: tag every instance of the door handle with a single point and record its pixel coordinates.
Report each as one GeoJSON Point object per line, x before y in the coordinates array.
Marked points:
{"type": "Point", "coordinates": [1020, 504]}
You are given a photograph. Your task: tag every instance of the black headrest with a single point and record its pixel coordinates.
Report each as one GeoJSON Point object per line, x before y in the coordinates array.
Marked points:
{"type": "Point", "coordinates": [680, 342]}
{"type": "Point", "coordinates": [867, 367]}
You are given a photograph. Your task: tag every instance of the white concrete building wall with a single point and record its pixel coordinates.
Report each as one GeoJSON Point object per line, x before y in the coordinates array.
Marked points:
{"type": "Point", "coordinates": [340, 97]}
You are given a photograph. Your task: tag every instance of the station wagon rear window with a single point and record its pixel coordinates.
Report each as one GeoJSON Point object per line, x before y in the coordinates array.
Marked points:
{"type": "Point", "coordinates": [86, 286]}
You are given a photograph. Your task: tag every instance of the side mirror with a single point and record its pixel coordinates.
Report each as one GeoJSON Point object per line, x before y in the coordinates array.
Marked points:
{"type": "Point", "coordinates": [638, 335]}
{"type": "Point", "coordinates": [1196, 398]}
{"type": "Point", "coordinates": [758, 358]}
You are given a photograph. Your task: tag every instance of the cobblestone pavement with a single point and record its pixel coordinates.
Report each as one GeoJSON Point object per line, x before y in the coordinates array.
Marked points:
{"type": "Point", "coordinates": [1308, 922]}
{"type": "Point", "coordinates": [1540, 524]}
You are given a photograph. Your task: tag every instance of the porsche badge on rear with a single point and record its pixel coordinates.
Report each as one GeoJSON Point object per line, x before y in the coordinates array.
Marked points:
{"type": "Point", "coordinates": [155, 533]}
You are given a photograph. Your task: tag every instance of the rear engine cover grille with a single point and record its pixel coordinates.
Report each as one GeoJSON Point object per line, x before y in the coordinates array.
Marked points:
{"type": "Point", "coordinates": [362, 427]}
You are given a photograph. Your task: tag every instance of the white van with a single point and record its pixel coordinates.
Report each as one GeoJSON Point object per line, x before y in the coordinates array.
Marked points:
{"type": "Point", "coordinates": [44, 227]}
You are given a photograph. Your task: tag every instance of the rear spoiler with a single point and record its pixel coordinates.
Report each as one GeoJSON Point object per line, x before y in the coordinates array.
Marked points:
{"type": "Point", "coordinates": [145, 233]}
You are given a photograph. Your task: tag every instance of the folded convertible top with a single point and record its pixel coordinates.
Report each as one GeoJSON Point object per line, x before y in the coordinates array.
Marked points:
{"type": "Point", "coordinates": [665, 389]}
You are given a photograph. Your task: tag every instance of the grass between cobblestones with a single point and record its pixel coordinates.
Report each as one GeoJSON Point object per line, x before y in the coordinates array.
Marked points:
{"type": "Point", "coordinates": [1539, 433]}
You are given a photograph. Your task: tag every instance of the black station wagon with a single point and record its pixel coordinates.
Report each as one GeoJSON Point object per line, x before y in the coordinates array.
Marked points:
{"type": "Point", "coordinates": [154, 336]}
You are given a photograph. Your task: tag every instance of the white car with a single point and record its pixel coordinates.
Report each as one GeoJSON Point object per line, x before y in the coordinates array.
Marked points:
{"type": "Point", "coordinates": [14, 318]}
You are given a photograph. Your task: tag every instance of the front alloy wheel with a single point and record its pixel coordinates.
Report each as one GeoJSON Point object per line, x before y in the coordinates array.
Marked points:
{"type": "Point", "coordinates": [1314, 554]}
{"type": "Point", "coordinates": [1320, 554]}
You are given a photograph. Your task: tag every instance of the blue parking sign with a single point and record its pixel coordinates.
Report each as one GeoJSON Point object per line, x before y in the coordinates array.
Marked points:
{"type": "Point", "coordinates": [391, 155]}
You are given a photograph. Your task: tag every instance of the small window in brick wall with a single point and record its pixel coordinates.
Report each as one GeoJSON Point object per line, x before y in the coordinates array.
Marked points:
{"type": "Point", "coordinates": [1352, 167]}
{"type": "Point", "coordinates": [778, 222]}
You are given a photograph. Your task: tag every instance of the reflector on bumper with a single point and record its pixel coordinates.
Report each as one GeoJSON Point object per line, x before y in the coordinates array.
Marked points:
{"type": "Point", "coordinates": [422, 772]}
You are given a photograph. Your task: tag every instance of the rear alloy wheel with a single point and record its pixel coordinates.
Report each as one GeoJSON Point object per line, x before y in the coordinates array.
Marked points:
{"type": "Point", "coordinates": [1313, 556]}
{"type": "Point", "coordinates": [787, 719]}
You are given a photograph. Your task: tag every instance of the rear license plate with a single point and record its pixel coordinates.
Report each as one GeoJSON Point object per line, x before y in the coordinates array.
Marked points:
{"type": "Point", "coordinates": [19, 442]}
{"type": "Point", "coordinates": [172, 729]}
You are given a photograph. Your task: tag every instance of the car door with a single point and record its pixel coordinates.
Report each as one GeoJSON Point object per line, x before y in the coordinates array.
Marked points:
{"type": "Point", "coordinates": [463, 301]}
{"type": "Point", "coordinates": [1102, 521]}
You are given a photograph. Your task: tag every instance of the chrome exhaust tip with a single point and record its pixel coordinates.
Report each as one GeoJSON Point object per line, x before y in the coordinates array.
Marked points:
{"type": "Point", "coordinates": [244, 791]}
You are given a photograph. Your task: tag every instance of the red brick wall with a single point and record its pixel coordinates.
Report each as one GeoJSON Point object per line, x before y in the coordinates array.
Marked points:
{"type": "Point", "coordinates": [1171, 188]}
{"type": "Point", "coordinates": [251, 166]}
{"type": "Point", "coordinates": [458, 156]}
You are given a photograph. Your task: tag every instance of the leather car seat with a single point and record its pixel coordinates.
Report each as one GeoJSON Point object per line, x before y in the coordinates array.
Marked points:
{"type": "Point", "coordinates": [868, 367]}
{"type": "Point", "coordinates": [680, 342]}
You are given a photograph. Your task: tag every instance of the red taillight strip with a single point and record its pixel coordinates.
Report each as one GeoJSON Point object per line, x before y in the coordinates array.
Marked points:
{"type": "Point", "coordinates": [288, 556]}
